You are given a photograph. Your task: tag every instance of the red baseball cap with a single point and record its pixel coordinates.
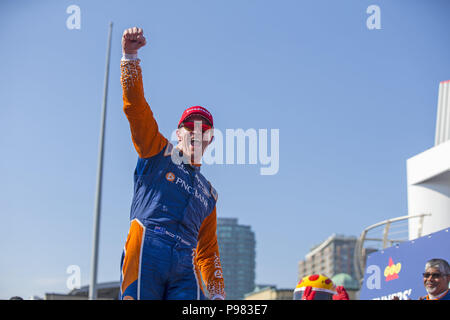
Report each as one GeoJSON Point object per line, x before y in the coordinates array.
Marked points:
{"type": "Point", "coordinates": [197, 110]}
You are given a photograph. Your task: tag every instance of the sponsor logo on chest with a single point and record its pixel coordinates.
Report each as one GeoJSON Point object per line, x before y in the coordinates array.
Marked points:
{"type": "Point", "coordinates": [190, 189]}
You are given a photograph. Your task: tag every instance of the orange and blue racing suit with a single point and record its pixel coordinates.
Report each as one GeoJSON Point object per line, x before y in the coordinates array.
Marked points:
{"type": "Point", "coordinates": [172, 242]}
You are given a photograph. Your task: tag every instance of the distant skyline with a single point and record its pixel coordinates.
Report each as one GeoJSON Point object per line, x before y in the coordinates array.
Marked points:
{"type": "Point", "coordinates": [350, 105]}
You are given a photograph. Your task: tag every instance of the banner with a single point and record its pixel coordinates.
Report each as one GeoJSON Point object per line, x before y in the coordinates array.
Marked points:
{"type": "Point", "coordinates": [397, 271]}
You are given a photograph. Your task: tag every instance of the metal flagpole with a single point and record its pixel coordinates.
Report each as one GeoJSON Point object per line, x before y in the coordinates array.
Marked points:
{"type": "Point", "coordinates": [98, 195]}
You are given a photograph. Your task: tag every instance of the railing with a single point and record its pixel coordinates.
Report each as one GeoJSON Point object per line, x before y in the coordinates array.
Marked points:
{"type": "Point", "coordinates": [392, 227]}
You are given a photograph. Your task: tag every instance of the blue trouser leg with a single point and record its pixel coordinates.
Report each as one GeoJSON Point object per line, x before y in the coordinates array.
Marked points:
{"type": "Point", "coordinates": [183, 283]}
{"type": "Point", "coordinates": [166, 271]}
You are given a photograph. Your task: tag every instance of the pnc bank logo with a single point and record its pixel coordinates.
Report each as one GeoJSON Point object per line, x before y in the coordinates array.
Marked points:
{"type": "Point", "coordinates": [392, 270]}
{"type": "Point", "coordinates": [170, 176]}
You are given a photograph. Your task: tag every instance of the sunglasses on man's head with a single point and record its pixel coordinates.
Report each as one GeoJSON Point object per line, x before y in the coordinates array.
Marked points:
{"type": "Point", "coordinates": [190, 125]}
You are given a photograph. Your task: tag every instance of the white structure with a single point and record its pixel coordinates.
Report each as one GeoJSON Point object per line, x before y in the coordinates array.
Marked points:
{"type": "Point", "coordinates": [428, 175]}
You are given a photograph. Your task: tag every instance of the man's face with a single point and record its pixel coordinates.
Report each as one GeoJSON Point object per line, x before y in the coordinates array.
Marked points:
{"type": "Point", "coordinates": [436, 282]}
{"type": "Point", "coordinates": [194, 137]}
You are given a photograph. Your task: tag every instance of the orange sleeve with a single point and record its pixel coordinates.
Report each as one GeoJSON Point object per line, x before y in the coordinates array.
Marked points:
{"type": "Point", "coordinates": [208, 258]}
{"type": "Point", "coordinates": [147, 139]}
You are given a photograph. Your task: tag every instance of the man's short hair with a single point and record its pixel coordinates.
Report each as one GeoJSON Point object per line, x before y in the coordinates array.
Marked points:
{"type": "Point", "coordinates": [440, 264]}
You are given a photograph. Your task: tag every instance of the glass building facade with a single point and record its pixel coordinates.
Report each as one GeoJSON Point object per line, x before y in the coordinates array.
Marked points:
{"type": "Point", "coordinates": [237, 255]}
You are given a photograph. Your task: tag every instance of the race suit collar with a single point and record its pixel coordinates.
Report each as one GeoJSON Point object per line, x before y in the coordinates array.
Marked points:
{"type": "Point", "coordinates": [186, 161]}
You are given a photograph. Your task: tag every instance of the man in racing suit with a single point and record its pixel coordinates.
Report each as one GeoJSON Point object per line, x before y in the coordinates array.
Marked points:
{"type": "Point", "coordinates": [172, 241]}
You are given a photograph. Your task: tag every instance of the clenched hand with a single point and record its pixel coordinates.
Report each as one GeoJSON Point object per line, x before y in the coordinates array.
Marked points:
{"type": "Point", "coordinates": [132, 40]}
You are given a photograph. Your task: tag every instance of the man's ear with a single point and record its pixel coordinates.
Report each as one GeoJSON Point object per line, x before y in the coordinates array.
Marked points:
{"type": "Point", "coordinates": [210, 132]}
{"type": "Point", "coordinates": [178, 135]}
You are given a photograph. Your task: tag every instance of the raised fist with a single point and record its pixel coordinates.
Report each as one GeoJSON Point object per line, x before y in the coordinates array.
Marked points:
{"type": "Point", "coordinates": [132, 40]}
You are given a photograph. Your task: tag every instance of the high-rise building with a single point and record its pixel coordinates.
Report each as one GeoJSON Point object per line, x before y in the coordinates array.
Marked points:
{"type": "Point", "coordinates": [237, 255]}
{"type": "Point", "coordinates": [333, 256]}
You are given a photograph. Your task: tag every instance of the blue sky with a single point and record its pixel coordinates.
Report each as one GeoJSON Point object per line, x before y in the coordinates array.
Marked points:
{"type": "Point", "coordinates": [351, 105]}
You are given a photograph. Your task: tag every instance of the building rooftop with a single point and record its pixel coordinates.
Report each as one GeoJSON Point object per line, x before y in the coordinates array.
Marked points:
{"type": "Point", "coordinates": [100, 286]}
{"type": "Point", "coordinates": [325, 243]}
{"type": "Point", "coordinates": [346, 280]}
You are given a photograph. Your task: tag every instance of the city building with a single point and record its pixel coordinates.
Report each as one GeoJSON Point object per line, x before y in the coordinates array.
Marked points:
{"type": "Point", "coordinates": [333, 256]}
{"type": "Point", "coordinates": [106, 291]}
{"type": "Point", "coordinates": [269, 292]}
{"type": "Point", "coordinates": [237, 255]}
